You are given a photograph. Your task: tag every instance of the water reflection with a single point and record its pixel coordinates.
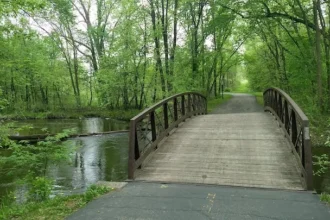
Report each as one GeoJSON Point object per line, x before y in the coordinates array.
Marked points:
{"type": "Point", "coordinates": [98, 158]}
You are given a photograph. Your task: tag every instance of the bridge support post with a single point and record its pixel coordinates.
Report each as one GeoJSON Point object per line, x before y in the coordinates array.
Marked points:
{"type": "Point", "coordinates": [308, 163]}
{"type": "Point", "coordinates": [134, 152]}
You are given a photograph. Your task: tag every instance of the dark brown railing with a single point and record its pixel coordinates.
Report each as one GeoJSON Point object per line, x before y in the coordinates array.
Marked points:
{"type": "Point", "coordinates": [296, 127]}
{"type": "Point", "coordinates": [149, 127]}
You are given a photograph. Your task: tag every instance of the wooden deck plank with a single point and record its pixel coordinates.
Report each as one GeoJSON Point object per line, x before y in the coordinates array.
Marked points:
{"type": "Point", "coordinates": [246, 149]}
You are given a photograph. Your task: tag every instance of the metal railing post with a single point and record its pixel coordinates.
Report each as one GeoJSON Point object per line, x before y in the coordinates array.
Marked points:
{"type": "Point", "coordinates": [165, 111]}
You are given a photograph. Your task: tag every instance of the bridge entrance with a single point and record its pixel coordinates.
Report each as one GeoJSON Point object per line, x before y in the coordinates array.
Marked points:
{"type": "Point", "coordinates": [238, 144]}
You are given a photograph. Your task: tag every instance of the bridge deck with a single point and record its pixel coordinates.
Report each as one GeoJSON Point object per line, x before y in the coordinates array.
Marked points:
{"type": "Point", "coordinates": [238, 149]}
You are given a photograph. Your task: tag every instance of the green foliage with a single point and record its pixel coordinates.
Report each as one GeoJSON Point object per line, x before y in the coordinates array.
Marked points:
{"type": "Point", "coordinates": [27, 164]}
{"type": "Point", "coordinates": [242, 88]}
{"type": "Point", "coordinates": [260, 97]}
{"type": "Point", "coordinates": [56, 208]}
{"type": "Point", "coordinates": [112, 65]}
{"type": "Point", "coordinates": [322, 163]}
{"type": "Point", "coordinates": [325, 197]}
{"type": "Point", "coordinates": [39, 189]}
{"type": "Point", "coordinates": [7, 7]}
{"type": "Point", "coordinates": [26, 160]}
{"type": "Point", "coordinates": [94, 191]}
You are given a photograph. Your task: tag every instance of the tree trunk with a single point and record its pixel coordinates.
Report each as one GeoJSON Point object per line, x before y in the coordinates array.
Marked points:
{"type": "Point", "coordinates": [159, 66]}
{"type": "Point", "coordinates": [318, 55]}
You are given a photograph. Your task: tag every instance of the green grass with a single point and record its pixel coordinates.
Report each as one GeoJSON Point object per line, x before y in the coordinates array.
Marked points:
{"type": "Point", "coordinates": [325, 198]}
{"type": "Point", "coordinates": [57, 209]}
{"type": "Point", "coordinates": [259, 96]}
{"type": "Point", "coordinates": [241, 89]}
{"type": "Point", "coordinates": [215, 102]}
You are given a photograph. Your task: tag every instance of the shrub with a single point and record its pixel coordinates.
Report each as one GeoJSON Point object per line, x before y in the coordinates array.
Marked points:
{"type": "Point", "coordinates": [94, 191]}
{"type": "Point", "coordinates": [39, 189]}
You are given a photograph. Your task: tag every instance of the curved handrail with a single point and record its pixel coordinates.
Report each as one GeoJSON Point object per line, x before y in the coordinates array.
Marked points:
{"type": "Point", "coordinates": [152, 125]}
{"type": "Point", "coordinates": [296, 127]}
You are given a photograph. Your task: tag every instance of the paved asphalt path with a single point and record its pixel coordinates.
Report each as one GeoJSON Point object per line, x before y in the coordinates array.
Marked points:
{"type": "Point", "coordinates": [239, 103]}
{"type": "Point", "coordinates": [138, 200]}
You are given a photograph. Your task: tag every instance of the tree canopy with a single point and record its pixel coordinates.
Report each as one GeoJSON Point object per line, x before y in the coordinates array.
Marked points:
{"type": "Point", "coordinates": [63, 54]}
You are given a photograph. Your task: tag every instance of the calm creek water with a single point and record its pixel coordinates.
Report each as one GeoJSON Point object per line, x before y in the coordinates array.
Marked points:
{"type": "Point", "coordinates": [98, 157]}
{"type": "Point", "coordinates": [82, 126]}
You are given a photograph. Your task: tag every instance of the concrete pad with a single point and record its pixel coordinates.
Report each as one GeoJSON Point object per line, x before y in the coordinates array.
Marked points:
{"type": "Point", "coordinates": [112, 185]}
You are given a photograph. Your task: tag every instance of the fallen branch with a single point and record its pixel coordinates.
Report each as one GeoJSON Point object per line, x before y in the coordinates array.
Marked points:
{"type": "Point", "coordinates": [41, 137]}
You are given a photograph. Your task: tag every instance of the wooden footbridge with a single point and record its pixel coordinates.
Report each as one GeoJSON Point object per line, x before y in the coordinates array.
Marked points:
{"type": "Point", "coordinates": [177, 141]}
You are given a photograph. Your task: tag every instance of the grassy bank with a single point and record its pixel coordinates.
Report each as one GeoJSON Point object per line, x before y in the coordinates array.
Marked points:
{"type": "Point", "coordinates": [215, 102]}
{"type": "Point", "coordinates": [56, 208]}
{"type": "Point", "coordinates": [124, 115]}
{"type": "Point", "coordinates": [325, 198]}
{"type": "Point", "coordinates": [259, 96]}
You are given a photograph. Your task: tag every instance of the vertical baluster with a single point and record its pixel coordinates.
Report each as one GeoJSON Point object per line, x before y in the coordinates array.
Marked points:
{"type": "Point", "coordinates": [175, 109]}
{"type": "Point", "coordinates": [189, 103]}
{"type": "Point", "coordinates": [273, 100]}
{"type": "Point", "coordinates": [286, 116]}
{"type": "Point", "coordinates": [280, 109]}
{"type": "Point", "coordinates": [183, 106]}
{"type": "Point", "coordinates": [153, 126]}
{"type": "Point", "coordinates": [165, 110]}
{"type": "Point", "coordinates": [198, 104]}
{"type": "Point", "coordinates": [194, 103]}
{"type": "Point", "coordinates": [275, 103]}
{"type": "Point", "coordinates": [293, 128]}
{"type": "Point", "coordinates": [205, 105]}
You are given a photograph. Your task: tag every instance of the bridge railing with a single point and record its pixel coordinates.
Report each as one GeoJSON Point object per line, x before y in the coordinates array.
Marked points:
{"type": "Point", "coordinates": [296, 127]}
{"type": "Point", "coordinates": [152, 125]}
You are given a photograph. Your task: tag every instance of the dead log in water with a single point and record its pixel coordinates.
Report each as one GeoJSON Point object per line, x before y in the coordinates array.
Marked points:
{"type": "Point", "coordinates": [41, 137]}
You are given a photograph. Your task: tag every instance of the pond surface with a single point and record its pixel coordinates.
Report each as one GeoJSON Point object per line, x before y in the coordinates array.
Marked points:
{"type": "Point", "coordinates": [95, 158]}
{"type": "Point", "coordinates": [81, 126]}
{"type": "Point", "coordinates": [98, 158]}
